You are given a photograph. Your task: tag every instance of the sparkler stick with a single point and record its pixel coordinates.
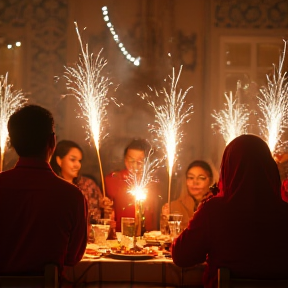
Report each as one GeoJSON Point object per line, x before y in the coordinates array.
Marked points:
{"type": "Point", "coordinates": [169, 117]}
{"type": "Point", "coordinates": [90, 89]}
{"type": "Point", "coordinates": [233, 120]}
{"type": "Point", "coordinates": [10, 101]}
{"type": "Point", "coordinates": [274, 106]}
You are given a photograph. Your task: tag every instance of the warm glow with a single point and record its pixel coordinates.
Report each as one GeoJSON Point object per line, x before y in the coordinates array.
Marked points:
{"type": "Point", "coordinates": [90, 88]}
{"type": "Point", "coordinates": [139, 193]}
{"type": "Point", "coordinates": [233, 120]}
{"type": "Point", "coordinates": [273, 103]}
{"type": "Point", "coordinates": [168, 119]}
{"type": "Point", "coordinates": [10, 101]}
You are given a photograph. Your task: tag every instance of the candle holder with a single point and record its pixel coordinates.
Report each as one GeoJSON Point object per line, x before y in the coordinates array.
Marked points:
{"type": "Point", "coordinates": [139, 216]}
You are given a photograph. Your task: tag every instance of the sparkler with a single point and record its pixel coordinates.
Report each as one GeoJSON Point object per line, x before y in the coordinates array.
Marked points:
{"type": "Point", "coordinates": [90, 89]}
{"type": "Point", "coordinates": [169, 118]}
{"type": "Point", "coordinates": [274, 106]}
{"type": "Point", "coordinates": [138, 186]}
{"type": "Point", "coordinates": [10, 101]}
{"type": "Point", "coordinates": [233, 120]}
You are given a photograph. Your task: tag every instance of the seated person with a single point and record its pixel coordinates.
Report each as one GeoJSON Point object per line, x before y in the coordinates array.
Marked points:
{"type": "Point", "coordinates": [117, 187]}
{"type": "Point", "coordinates": [66, 162]}
{"type": "Point", "coordinates": [198, 179]}
{"type": "Point", "coordinates": [38, 225]}
{"type": "Point", "coordinates": [243, 228]}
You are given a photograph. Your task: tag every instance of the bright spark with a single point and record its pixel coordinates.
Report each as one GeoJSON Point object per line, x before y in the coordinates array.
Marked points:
{"type": "Point", "coordinates": [138, 182]}
{"type": "Point", "coordinates": [90, 89]}
{"type": "Point", "coordinates": [233, 120]}
{"type": "Point", "coordinates": [273, 103]}
{"type": "Point", "coordinates": [169, 118]}
{"type": "Point", "coordinates": [10, 101]}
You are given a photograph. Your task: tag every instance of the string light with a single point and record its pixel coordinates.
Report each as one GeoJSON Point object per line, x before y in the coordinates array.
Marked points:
{"type": "Point", "coordinates": [17, 44]}
{"type": "Point", "coordinates": [135, 61]}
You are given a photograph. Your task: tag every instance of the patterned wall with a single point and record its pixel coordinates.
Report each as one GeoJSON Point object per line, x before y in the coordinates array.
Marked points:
{"type": "Point", "coordinates": [44, 23]}
{"type": "Point", "coordinates": [264, 14]}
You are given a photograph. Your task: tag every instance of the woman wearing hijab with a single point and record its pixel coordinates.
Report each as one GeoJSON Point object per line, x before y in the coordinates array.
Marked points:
{"type": "Point", "coordinates": [244, 228]}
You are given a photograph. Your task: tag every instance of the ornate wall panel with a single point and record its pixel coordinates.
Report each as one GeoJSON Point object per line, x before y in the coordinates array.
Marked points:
{"type": "Point", "coordinates": [265, 14]}
{"type": "Point", "coordinates": [45, 25]}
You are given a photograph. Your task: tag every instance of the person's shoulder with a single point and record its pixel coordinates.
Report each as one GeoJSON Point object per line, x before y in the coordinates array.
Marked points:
{"type": "Point", "coordinates": [66, 187]}
{"type": "Point", "coordinates": [84, 180]}
{"type": "Point", "coordinates": [211, 203]}
{"type": "Point", "coordinates": [7, 173]}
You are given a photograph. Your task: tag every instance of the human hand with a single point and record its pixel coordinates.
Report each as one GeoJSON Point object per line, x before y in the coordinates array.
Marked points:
{"type": "Point", "coordinates": [106, 203]}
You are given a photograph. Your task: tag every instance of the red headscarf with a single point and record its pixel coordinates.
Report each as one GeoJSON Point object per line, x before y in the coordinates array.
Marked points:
{"type": "Point", "coordinates": [249, 175]}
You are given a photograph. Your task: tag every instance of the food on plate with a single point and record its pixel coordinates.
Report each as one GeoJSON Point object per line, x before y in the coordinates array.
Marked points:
{"type": "Point", "coordinates": [132, 251]}
{"type": "Point", "coordinates": [92, 252]}
{"type": "Point", "coordinates": [156, 236]}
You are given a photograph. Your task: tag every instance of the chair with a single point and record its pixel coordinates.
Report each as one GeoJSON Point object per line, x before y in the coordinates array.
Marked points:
{"type": "Point", "coordinates": [48, 280]}
{"type": "Point", "coordinates": [224, 281]}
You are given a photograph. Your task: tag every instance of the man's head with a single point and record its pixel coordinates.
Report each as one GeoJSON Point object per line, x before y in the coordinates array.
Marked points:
{"type": "Point", "coordinates": [31, 131]}
{"type": "Point", "coordinates": [135, 153]}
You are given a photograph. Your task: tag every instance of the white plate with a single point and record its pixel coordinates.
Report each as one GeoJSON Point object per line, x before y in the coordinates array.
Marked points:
{"type": "Point", "coordinates": [91, 256]}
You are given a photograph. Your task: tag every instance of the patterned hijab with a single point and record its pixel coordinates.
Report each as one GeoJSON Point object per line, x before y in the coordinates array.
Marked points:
{"type": "Point", "coordinates": [249, 176]}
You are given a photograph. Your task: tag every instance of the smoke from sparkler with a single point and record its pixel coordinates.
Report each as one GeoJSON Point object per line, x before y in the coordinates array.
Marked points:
{"type": "Point", "coordinates": [90, 89]}
{"type": "Point", "coordinates": [10, 101]}
{"type": "Point", "coordinates": [169, 118]}
{"type": "Point", "coordinates": [274, 106]}
{"type": "Point", "coordinates": [233, 120]}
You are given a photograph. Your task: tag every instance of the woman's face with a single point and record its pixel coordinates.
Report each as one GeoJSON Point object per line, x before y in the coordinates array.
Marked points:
{"type": "Point", "coordinates": [198, 182]}
{"type": "Point", "coordinates": [70, 164]}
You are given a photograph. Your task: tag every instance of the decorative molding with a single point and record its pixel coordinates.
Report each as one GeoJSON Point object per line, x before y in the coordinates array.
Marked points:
{"type": "Point", "coordinates": [187, 49]}
{"type": "Point", "coordinates": [264, 14]}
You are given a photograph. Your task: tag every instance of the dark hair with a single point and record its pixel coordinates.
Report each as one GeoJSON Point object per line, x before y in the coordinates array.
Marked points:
{"type": "Point", "coordinates": [62, 149]}
{"type": "Point", "coordinates": [204, 165]}
{"type": "Point", "coordinates": [30, 129]}
{"type": "Point", "coordinates": [138, 144]}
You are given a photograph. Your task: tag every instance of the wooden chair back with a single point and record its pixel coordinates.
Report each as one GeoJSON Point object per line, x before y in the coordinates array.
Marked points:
{"type": "Point", "coordinates": [225, 281]}
{"type": "Point", "coordinates": [48, 280]}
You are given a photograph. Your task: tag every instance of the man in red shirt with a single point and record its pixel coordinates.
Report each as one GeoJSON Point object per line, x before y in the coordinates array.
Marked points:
{"type": "Point", "coordinates": [43, 218]}
{"type": "Point", "coordinates": [117, 187]}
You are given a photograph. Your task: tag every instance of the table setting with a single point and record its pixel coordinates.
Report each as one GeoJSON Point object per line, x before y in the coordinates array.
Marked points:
{"type": "Point", "coordinates": [143, 259]}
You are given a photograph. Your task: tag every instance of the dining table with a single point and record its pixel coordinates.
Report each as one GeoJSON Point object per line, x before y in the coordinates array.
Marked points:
{"type": "Point", "coordinates": [132, 272]}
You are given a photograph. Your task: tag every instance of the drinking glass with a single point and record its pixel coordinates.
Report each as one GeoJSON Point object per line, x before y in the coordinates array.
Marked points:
{"type": "Point", "coordinates": [174, 222]}
{"type": "Point", "coordinates": [101, 229]}
{"type": "Point", "coordinates": [128, 226]}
